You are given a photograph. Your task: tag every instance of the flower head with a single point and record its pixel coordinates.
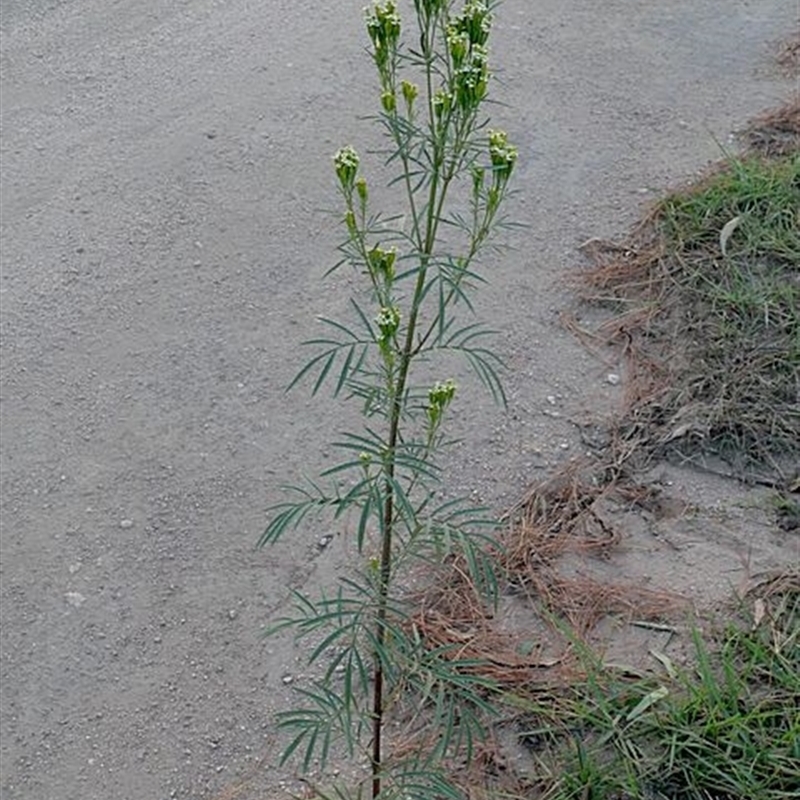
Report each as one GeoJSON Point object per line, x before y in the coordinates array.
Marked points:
{"type": "Point", "coordinates": [383, 27]}
{"type": "Point", "coordinates": [458, 45]}
{"type": "Point", "coordinates": [502, 154]}
{"type": "Point", "coordinates": [472, 79]}
{"type": "Point", "coordinates": [439, 397]}
{"type": "Point", "coordinates": [388, 321]}
{"type": "Point", "coordinates": [345, 161]}
{"type": "Point", "coordinates": [475, 21]}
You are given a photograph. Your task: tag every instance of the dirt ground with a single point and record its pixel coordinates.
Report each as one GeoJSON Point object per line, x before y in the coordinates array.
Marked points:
{"type": "Point", "coordinates": [164, 167]}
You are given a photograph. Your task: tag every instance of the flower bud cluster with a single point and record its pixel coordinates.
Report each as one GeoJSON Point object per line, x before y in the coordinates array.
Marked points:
{"type": "Point", "coordinates": [410, 92]}
{"type": "Point", "coordinates": [345, 161]}
{"type": "Point", "coordinates": [439, 397]}
{"type": "Point", "coordinates": [467, 35]}
{"type": "Point", "coordinates": [472, 79]}
{"type": "Point", "coordinates": [383, 27]}
{"type": "Point", "coordinates": [388, 321]}
{"type": "Point", "coordinates": [475, 21]}
{"type": "Point", "coordinates": [503, 156]}
{"type": "Point", "coordinates": [381, 264]}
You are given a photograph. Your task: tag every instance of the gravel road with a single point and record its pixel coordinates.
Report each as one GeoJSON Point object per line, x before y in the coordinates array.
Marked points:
{"type": "Point", "coordinates": [165, 175]}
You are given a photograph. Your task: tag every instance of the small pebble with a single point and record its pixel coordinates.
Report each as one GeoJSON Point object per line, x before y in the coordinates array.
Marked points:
{"type": "Point", "coordinates": [75, 599]}
{"type": "Point", "coordinates": [612, 378]}
{"type": "Point", "coordinates": [125, 524]}
{"type": "Point", "coordinates": [287, 679]}
{"type": "Point", "coordinates": [325, 541]}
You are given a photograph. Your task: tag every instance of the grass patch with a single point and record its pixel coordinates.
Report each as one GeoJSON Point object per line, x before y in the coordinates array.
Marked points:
{"type": "Point", "coordinates": [726, 729]}
{"type": "Point", "coordinates": [706, 295]}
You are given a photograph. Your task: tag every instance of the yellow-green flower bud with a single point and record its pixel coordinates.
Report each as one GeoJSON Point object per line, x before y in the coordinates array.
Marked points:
{"type": "Point", "coordinates": [381, 262]}
{"type": "Point", "coordinates": [388, 101]}
{"type": "Point", "coordinates": [441, 103]}
{"type": "Point", "coordinates": [361, 190]}
{"type": "Point", "coordinates": [350, 221]}
{"type": "Point", "coordinates": [410, 92]}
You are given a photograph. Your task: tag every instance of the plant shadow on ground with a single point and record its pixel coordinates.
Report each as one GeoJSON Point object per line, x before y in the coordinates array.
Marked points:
{"type": "Point", "coordinates": [705, 297]}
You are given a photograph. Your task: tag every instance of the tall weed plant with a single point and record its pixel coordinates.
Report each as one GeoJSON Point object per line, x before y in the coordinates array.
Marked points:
{"type": "Point", "coordinates": [418, 264]}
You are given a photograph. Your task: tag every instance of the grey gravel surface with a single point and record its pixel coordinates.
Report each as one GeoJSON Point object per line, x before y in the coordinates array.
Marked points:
{"type": "Point", "coordinates": [165, 176]}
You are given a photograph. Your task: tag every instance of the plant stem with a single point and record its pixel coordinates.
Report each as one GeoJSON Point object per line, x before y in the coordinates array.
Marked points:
{"type": "Point", "coordinates": [388, 515]}
{"type": "Point", "coordinates": [433, 211]}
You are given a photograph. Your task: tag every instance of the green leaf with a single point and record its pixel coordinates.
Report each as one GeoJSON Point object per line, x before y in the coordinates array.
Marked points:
{"type": "Point", "coordinates": [650, 699]}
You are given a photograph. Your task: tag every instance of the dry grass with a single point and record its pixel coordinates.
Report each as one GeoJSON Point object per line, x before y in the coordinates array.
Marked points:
{"type": "Point", "coordinates": [788, 56]}
{"type": "Point", "coordinates": [777, 132]}
{"type": "Point", "coordinates": [706, 299]}
{"type": "Point", "coordinates": [559, 516]}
